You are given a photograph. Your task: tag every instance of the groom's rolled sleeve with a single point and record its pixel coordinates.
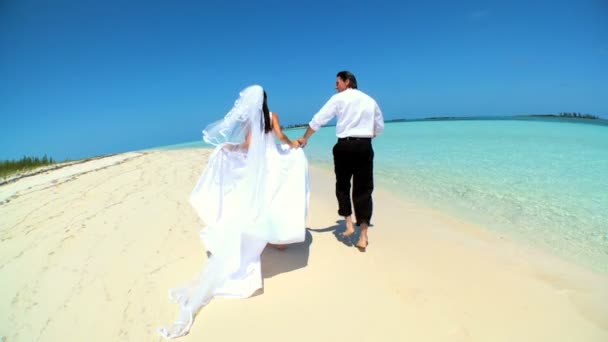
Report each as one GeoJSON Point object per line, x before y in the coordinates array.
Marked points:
{"type": "Point", "coordinates": [327, 112]}
{"type": "Point", "coordinates": [378, 121]}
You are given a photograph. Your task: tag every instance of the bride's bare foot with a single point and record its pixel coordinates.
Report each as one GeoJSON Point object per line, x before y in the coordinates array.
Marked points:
{"type": "Point", "coordinates": [279, 247]}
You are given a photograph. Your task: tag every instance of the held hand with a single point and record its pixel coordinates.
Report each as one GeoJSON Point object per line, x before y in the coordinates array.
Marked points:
{"type": "Point", "coordinates": [303, 141]}
{"type": "Point", "coordinates": [295, 144]}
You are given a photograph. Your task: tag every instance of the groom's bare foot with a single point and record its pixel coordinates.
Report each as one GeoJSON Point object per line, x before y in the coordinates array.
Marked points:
{"type": "Point", "coordinates": [362, 243]}
{"type": "Point", "coordinates": [350, 228]}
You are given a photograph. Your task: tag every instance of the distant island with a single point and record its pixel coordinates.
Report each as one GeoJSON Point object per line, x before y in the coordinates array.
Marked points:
{"type": "Point", "coordinates": [563, 115]}
{"type": "Point", "coordinates": [293, 126]}
{"type": "Point", "coordinates": [568, 115]}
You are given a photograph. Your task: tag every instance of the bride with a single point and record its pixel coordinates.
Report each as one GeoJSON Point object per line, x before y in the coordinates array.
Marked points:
{"type": "Point", "coordinates": [252, 193]}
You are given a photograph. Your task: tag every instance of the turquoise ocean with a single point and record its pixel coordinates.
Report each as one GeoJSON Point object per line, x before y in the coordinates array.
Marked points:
{"type": "Point", "coordinates": [542, 182]}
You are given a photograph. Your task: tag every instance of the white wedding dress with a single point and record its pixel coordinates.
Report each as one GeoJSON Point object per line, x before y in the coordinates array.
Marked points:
{"type": "Point", "coordinates": [247, 199]}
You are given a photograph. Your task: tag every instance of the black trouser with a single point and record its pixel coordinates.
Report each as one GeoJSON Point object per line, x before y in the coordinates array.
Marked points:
{"type": "Point", "coordinates": [354, 158]}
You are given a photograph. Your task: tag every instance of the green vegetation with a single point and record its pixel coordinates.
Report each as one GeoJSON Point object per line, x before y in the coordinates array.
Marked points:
{"type": "Point", "coordinates": [293, 126]}
{"type": "Point", "coordinates": [567, 115]}
{"type": "Point", "coordinates": [8, 167]}
{"type": "Point", "coordinates": [577, 116]}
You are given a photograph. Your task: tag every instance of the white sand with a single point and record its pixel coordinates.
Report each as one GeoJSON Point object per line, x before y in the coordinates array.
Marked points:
{"type": "Point", "coordinates": [89, 251]}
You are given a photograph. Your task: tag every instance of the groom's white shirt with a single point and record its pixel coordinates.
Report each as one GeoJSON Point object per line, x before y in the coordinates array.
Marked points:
{"type": "Point", "coordinates": [358, 115]}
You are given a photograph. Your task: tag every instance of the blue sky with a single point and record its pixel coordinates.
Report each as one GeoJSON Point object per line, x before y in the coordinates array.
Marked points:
{"type": "Point", "coordinates": [81, 78]}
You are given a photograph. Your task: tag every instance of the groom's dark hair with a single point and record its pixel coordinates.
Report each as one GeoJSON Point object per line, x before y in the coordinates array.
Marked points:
{"type": "Point", "coordinates": [347, 75]}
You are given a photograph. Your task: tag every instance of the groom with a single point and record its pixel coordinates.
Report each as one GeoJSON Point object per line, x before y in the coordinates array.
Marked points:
{"type": "Point", "coordinates": [359, 119]}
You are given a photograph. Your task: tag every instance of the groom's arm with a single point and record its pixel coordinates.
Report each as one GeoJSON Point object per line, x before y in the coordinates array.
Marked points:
{"type": "Point", "coordinates": [304, 139]}
{"type": "Point", "coordinates": [308, 133]}
{"type": "Point", "coordinates": [327, 112]}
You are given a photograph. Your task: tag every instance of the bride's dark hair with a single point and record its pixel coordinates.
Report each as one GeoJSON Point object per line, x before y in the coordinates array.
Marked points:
{"type": "Point", "coordinates": [266, 124]}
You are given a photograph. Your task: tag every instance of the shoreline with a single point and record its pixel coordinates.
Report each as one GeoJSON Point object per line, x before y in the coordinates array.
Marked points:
{"type": "Point", "coordinates": [326, 169]}
{"type": "Point", "coordinates": [104, 241]}
{"type": "Point", "coordinates": [117, 158]}
{"type": "Point", "coordinates": [466, 226]}
{"type": "Point", "coordinates": [454, 214]}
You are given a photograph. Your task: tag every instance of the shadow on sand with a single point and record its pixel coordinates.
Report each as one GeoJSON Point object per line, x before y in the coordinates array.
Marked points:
{"type": "Point", "coordinates": [338, 229]}
{"type": "Point", "coordinates": [294, 257]}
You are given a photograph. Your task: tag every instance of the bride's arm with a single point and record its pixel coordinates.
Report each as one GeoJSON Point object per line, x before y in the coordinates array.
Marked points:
{"type": "Point", "coordinates": [276, 127]}
{"type": "Point", "coordinates": [245, 145]}
{"type": "Point", "coordinates": [242, 146]}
